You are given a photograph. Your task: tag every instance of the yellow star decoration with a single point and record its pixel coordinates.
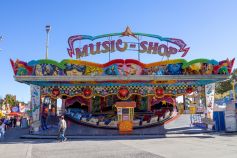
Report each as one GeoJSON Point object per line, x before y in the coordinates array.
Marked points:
{"type": "Point", "coordinates": [163, 102]}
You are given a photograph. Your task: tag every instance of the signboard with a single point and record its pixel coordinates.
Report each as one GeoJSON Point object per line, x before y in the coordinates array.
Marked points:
{"type": "Point", "coordinates": [15, 109]}
{"type": "Point", "coordinates": [159, 45]}
{"type": "Point", "coordinates": [196, 120]}
{"type": "Point", "coordinates": [119, 111]}
{"type": "Point", "coordinates": [230, 118]}
{"type": "Point", "coordinates": [35, 102]}
{"type": "Point", "coordinates": [210, 92]}
{"type": "Point", "coordinates": [200, 110]}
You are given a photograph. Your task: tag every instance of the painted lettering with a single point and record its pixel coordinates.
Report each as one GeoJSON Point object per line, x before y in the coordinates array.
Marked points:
{"type": "Point", "coordinates": [82, 53]}
{"type": "Point", "coordinates": [105, 45]}
{"type": "Point", "coordinates": [97, 48]}
{"type": "Point", "coordinates": [153, 48]}
{"type": "Point", "coordinates": [120, 42]}
{"type": "Point", "coordinates": [162, 50]}
{"type": "Point", "coordinates": [143, 47]}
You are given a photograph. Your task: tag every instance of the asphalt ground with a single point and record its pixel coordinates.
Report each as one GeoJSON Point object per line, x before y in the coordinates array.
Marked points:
{"type": "Point", "coordinates": [207, 145]}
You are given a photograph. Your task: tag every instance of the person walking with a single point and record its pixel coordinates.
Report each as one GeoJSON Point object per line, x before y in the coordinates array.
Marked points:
{"type": "Point", "coordinates": [11, 122]}
{"type": "Point", "coordinates": [44, 117]}
{"type": "Point", "coordinates": [62, 128]}
{"type": "Point", "coordinates": [2, 130]}
{"type": "Point", "coordinates": [14, 121]}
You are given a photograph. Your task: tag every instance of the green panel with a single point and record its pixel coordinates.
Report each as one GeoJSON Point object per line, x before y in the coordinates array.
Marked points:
{"type": "Point", "coordinates": [96, 104]}
{"type": "Point", "coordinates": [144, 103]}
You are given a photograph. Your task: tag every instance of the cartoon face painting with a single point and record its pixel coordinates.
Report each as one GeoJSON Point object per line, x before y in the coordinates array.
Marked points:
{"type": "Point", "coordinates": [38, 70]}
{"type": "Point", "coordinates": [174, 69]}
{"type": "Point", "coordinates": [111, 70]}
{"type": "Point", "coordinates": [56, 71]}
{"type": "Point", "coordinates": [48, 70]}
{"type": "Point", "coordinates": [159, 70]}
{"type": "Point", "coordinates": [75, 70]}
{"type": "Point", "coordinates": [207, 69]}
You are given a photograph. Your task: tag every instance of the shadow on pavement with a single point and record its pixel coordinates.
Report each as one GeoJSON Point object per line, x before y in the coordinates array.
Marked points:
{"type": "Point", "coordinates": [109, 138]}
{"type": "Point", "coordinates": [13, 136]}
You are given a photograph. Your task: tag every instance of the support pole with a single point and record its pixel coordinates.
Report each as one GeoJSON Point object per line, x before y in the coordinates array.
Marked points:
{"type": "Point", "coordinates": [184, 101]}
{"type": "Point", "coordinates": [138, 39]}
{"type": "Point", "coordinates": [63, 106]}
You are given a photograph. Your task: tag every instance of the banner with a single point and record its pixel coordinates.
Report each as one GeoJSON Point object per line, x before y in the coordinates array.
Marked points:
{"type": "Point", "coordinates": [35, 102]}
{"type": "Point", "coordinates": [210, 93]}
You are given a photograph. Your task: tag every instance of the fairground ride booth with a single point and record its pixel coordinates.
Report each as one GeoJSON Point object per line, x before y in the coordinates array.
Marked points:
{"type": "Point", "coordinates": [90, 91]}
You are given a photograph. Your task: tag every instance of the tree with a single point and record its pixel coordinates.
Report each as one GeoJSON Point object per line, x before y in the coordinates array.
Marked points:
{"type": "Point", "coordinates": [227, 85]}
{"type": "Point", "coordinates": [222, 87]}
{"type": "Point", "coordinates": [1, 103]}
{"type": "Point", "coordinates": [234, 75]}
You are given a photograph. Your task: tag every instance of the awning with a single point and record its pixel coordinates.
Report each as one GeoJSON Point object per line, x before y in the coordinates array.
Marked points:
{"type": "Point", "coordinates": [15, 114]}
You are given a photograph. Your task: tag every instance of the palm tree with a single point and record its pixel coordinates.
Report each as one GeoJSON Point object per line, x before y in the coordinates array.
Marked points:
{"type": "Point", "coordinates": [10, 99]}
{"type": "Point", "coordinates": [1, 103]}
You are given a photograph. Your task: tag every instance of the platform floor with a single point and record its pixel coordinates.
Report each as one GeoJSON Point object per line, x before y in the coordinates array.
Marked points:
{"type": "Point", "coordinates": [179, 125]}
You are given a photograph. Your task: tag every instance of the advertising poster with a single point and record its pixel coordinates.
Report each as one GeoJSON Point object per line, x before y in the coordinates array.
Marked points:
{"type": "Point", "coordinates": [35, 102]}
{"type": "Point", "coordinates": [210, 93]}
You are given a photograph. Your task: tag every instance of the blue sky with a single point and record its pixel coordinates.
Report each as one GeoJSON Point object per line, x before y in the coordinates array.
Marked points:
{"type": "Point", "coordinates": [209, 27]}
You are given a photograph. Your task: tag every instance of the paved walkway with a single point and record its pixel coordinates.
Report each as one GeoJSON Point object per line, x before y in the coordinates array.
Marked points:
{"type": "Point", "coordinates": [174, 147]}
{"type": "Point", "coordinates": [170, 145]}
{"type": "Point", "coordinates": [173, 129]}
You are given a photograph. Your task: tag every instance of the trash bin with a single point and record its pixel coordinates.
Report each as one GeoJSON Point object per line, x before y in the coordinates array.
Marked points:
{"type": "Point", "coordinates": [219, 119]}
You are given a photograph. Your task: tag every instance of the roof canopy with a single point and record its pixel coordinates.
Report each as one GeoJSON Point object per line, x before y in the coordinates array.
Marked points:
{"type": "Point", "coordinates": [119, 71]}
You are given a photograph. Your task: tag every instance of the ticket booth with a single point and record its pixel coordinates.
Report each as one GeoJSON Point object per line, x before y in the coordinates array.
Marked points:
{"type": "Point", "coordinates": [125, 113]}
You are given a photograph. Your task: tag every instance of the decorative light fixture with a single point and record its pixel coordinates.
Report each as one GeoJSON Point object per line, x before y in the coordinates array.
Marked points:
{"type": "Point", "coordinates": [159, 91]}
{"type": "Point", "coordinates": [123, 92]}
{"type": "Point", "coordinates": [189, 90]}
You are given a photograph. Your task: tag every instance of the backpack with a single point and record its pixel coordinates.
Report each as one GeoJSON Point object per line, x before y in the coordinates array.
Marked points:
{"type": "Point", "coordinates": [64, 125]}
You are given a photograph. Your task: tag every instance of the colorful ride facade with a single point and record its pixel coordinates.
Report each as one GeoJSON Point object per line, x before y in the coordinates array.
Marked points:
{"type": "Point", "coordinates": [90, 91]}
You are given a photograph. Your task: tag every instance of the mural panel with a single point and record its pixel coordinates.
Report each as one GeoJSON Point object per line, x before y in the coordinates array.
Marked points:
{"type": "Point", "coordinates": [122, 67]}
